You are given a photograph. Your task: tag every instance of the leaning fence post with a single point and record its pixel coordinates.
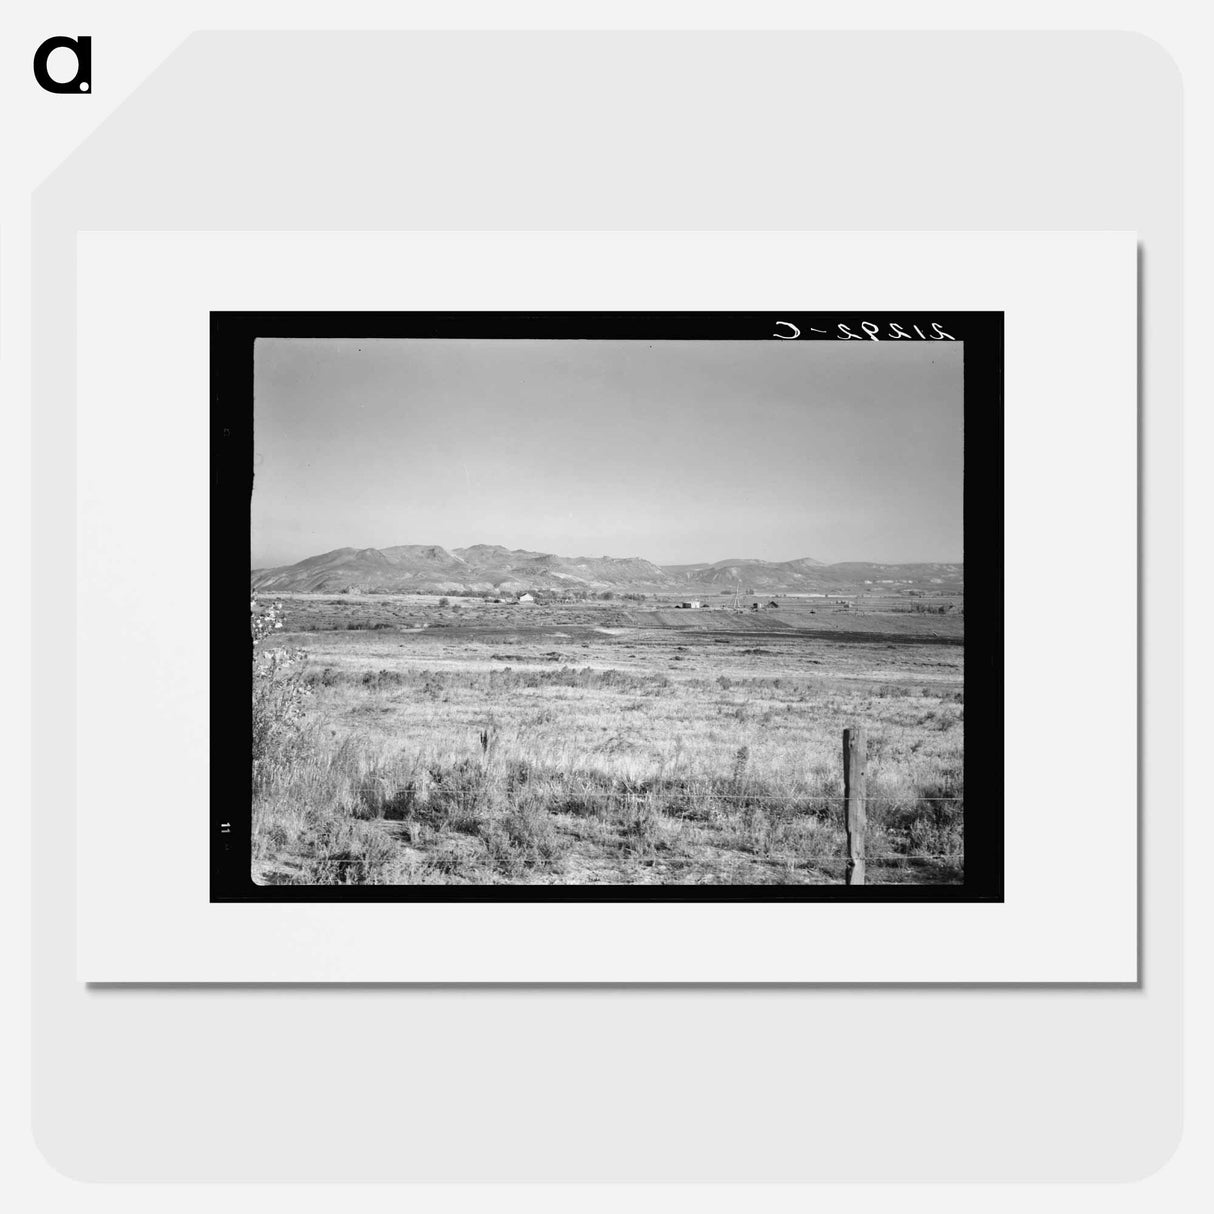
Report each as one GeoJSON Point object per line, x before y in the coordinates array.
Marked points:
{"type": "Point", "coordinates": [854, 756]}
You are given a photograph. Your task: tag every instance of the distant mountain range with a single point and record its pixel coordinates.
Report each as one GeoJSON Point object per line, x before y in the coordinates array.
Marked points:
{"type": "Point", "coordinates": [489, 568]}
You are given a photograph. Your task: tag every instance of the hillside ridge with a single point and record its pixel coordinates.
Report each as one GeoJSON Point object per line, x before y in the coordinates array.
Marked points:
{"type": "Point", "coordinates": [492, 568]}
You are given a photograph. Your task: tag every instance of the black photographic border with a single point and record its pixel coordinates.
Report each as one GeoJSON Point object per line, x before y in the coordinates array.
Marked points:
{"type": "Point", "coordinates": [231, 482]}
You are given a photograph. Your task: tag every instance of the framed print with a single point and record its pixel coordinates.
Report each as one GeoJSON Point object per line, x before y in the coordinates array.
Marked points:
{"type": "Point", "coordinates": [655, 607]}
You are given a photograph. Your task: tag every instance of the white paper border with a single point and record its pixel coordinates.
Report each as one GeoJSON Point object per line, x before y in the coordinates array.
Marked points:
{"type": "Point", "coordinates": [1071, 516]}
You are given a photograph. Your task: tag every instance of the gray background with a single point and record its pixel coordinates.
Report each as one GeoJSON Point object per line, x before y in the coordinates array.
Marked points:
{"type": "Point", "coordinates": [544, 131]}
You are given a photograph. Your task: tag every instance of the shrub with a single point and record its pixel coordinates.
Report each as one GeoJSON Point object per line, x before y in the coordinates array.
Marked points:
{"type": "Point", "coordinates": [279, 693]}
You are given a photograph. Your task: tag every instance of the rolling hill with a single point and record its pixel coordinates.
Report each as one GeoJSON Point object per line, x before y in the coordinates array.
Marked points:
{"type": "Point", "coordinates": [491, 568]}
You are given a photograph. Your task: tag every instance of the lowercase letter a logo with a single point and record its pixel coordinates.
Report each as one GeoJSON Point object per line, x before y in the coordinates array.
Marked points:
{"type": "Point", "coordinates": [82, 81]}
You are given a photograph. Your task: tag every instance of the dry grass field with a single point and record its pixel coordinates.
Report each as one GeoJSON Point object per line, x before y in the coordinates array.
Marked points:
{"type": "Point", "coordinates": [463, 741]}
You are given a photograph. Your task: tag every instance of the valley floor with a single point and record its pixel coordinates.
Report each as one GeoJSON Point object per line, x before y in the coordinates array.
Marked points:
{"type": "Point", "coordinates": [606, 743]}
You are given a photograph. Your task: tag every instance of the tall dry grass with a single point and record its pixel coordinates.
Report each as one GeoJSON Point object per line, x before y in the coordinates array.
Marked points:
{"type": "Point", "coordinates": [605, 774]}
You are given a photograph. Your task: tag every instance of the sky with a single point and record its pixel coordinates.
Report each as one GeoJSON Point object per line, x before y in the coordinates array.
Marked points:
{"type": "Point", "coordinates": [675, 451]}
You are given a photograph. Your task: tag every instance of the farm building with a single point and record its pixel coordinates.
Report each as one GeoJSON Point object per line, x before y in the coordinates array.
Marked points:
{"type": "Point", "coordinates": [526, 598]}
{"type": "Point", "coordinates": [773, 603]}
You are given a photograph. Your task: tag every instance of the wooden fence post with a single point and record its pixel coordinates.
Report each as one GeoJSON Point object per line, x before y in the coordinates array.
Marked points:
{"type": "Point", "coordinates": [488, 738]}
{"type": "Point", "coordinates": [854, 758]}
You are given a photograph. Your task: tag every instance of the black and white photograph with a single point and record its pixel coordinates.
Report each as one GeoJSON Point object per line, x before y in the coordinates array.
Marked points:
{"type": "Point", "coordinates": [635, 605]}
